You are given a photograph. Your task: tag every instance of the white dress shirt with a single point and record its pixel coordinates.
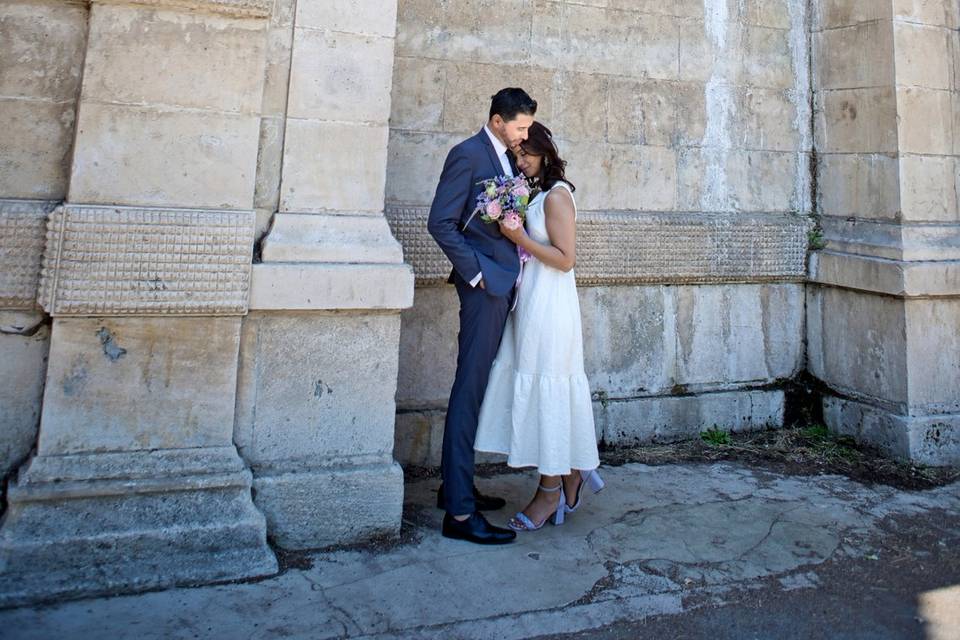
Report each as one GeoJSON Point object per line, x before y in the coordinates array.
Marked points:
{"type": "Point", "coordinates": [501, 151]}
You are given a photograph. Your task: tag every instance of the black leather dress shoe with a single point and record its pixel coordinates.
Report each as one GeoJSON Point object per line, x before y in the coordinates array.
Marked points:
{"type": "Point", "coordinates": [481, 502]}
{"type": "Point", "coordinates": [475, 529]}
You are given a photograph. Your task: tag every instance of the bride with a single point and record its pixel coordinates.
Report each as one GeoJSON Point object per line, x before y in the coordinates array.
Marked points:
{"type": "Point", "coordinates": [537, 407]}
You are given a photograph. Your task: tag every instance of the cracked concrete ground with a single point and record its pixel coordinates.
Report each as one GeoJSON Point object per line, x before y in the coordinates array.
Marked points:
{"type": "Point", "coordinates": [687, 550]}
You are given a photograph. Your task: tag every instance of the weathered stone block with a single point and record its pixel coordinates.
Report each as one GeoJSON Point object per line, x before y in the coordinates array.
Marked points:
{"type": "Point", "coordinates": [645, 112]}
{"type": "Point", "coordinates": [609, 41]}
{"type": "Point", "coordinates": [196, 159]}
{"type": "Point", "coordinates": [340, 77]}
{"type": "Point", "coordinates": [316, 389]}
{"type": "Point", "coordinates": [767, 120]}
{"type": "Point", "coordinates": [35, 155]}
{"type": "Point", "coordinates": [331, 238]}
{"type": "Point", "coordinates": [717, 179]}
{"type": "Point", "coordinates": [322, 170]}
{"type": "Point", "coordinates": [415, 163]}
{"type": "Point", "coordinates": [840, 13]}
{"type": "Point", "coordinates": [861, 185]}
{"type": "Point", "coordinates": [767, 58]}
{"type": "Point", "coordinates": [932, 440]}
{"type": "Point", "coordinates": [309, 509]}
{"type": "Point", "coordinates": [377, 17]}
{"type": "Point", "coordinates": [24, 341]}
{"type": "Point", "coordinates": [857, 120]}
{"type": "Point", "coordinates": [679, 8]}
{"type": "Point", "coordinates": [904, 279]}
{"type": "Point", "coordinates": [461, 31]}
{"type": "Point", "coordinates": [98, 524]}
{"type": "Point", "coordinates": [928, 188]}
{"type": "Point", "coordinates": [906, 241]}
{"type": "Point", "coordinates": [311, 286]}
{"type": "Point", "coordinates": [669, 419]}
{"type": "Point", "coordinates": [417, 94]}
{"type": "Point", "coordinates": [925, 119]}
{"type": "Point", "coordinates": [469, 87]}
{"type": "Point", "coordinates": [854, 57]}
{"type": "Point", "coordinates": [857, 344]}
{"type": "Point", "coordinates": [622, 177]}
{"type": "Point", "coordinates": [922, 56]}
{"type": "Point", "coordinates": [943, 13]}
{"type": "Point", "coordinates": [704, 50]}
{"type": "Point", "coordinates": [41, 50]}
{"type": "Point", "coordinates": [768, 13]}
{"type": "Point", "coordinates": [269, 163]}
{"type": "Point", "coordinates": [99, 365]}
{"type": "Point", "coordinates": [933, 356]}
{"type": "Point", "coordinates": [428, 348]}
{"type": "Point", "coordinates": [419, 439]}
{"type": "Point", "coordinates": [227, 77]}
{"type": "Point", "coordinates": [732, 334]}
{"type": "Point", "coordinates": [276, 77]}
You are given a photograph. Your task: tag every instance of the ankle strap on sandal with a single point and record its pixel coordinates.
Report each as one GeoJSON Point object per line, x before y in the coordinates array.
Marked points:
{"type": "Point", "coordinates": [551, 489]}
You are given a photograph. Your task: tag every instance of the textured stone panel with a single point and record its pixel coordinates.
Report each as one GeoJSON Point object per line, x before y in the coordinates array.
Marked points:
{"type": "Point", "coordinates": [632, 248]}
{"type": "Point", "coordinates": [135, 261]}
{"type": "Point", "coordinates": [23, 225]}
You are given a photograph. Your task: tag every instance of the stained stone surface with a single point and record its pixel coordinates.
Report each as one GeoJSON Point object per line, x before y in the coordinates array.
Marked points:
{"type": "Point", "coordinates": [670, 540]}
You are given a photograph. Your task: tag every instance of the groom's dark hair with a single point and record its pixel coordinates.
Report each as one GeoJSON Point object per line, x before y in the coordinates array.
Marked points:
{"type": "Point", "coordinates": [507, 103]}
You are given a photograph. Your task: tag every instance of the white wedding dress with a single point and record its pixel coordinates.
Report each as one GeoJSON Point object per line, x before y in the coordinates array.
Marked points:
{"type": "Point", "coordinates": [537, 408]}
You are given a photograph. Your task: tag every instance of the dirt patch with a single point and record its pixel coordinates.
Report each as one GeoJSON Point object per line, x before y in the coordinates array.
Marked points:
{"type": "Point", "coordinates": [810, 450]}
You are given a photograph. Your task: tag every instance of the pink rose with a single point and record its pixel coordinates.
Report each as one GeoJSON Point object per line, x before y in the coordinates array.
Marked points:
{"type": "Point", "coordinates": [521, 191]}
{"type": "Point", "coordinates": [512, 221]}
{"type": "Point", "coordinates": [493, 209]}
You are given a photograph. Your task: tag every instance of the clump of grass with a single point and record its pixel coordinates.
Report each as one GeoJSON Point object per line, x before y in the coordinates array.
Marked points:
{"type": "Point", "coordinates": [715, 436]}
{"type": "Point", "coordinates": [815, 239]}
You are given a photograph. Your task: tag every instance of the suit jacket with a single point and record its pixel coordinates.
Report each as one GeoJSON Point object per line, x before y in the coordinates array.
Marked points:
{"type": "Point", "coordinates": [479, 246]}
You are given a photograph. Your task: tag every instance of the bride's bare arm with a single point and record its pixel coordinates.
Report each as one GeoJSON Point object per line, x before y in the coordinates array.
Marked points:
{"type": "Point", "coordinates": [560, 217]}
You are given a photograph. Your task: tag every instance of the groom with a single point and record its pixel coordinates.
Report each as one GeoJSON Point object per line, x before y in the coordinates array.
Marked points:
{"type": "Point", "coordinates": [485, 268]}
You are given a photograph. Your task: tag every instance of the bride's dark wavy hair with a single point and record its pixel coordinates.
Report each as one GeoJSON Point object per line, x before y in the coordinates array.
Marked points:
{"type": "Point", "coordinates": [540, 142]}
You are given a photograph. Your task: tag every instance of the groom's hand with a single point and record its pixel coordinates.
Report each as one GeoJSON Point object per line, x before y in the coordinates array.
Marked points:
{"type": "Point", "coordinates": [482, 284]}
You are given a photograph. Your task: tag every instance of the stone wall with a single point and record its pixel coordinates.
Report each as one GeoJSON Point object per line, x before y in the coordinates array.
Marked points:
{"type": "Point", "coordinates": [884, 302]}
{"type": "Point", "coordinates": [687, 130]}
{"type": "Point", "coordinates": [41, 51]}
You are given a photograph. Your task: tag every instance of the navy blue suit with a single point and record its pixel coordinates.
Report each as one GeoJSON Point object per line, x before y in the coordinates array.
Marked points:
{"type": "Point", "coordinates": [478, 247]}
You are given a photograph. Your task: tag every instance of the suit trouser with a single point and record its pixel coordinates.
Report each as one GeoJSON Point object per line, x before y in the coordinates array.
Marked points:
{"type": "Point", "coordinates": [482, 319]}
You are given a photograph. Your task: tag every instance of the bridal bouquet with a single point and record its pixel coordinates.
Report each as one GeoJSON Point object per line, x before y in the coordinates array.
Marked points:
{"type": "Point", "coordinates": [503, 198]}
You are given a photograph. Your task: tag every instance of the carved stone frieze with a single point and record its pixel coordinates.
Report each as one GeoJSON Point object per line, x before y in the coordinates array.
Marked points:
{"type": "Point", "coordinates": [23, 225]}
{"type": "Point", "coordinates": [647, 248]}
{"type": "Point", "coordinates": [103, 260]}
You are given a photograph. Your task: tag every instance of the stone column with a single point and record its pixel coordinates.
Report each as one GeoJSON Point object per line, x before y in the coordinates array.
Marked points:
{"type": "Point", "coordinates": [319, 351]}
{"type": "Point", "coordinates": [136, 482]}
{"type": "Point", "coordinates": [884, 309]}
{"type": "Point", "coordinates": [41, 55]}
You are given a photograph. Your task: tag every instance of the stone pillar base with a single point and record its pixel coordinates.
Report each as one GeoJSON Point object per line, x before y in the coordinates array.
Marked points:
{"type": "Point", "coordinates": [931, 440]}
{"type": "Point", "coordinates": [327, 506]}
{"type": "Point", "coordinates": [100, 523]}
